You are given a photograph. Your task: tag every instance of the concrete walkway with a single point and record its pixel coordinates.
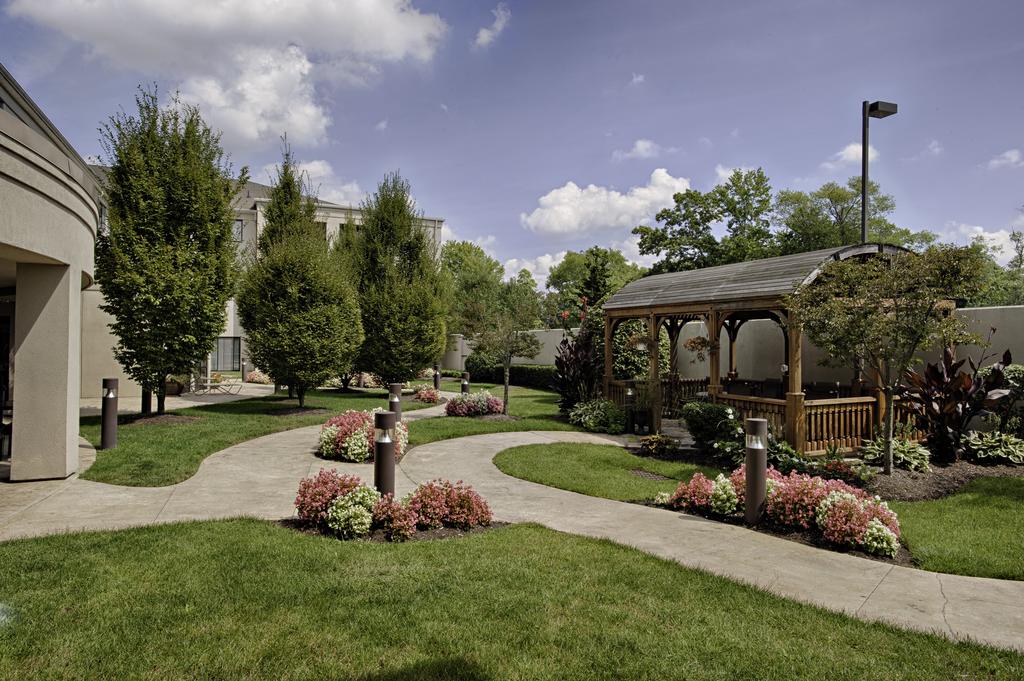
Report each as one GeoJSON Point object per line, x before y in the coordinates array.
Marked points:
{"type": "Point", "coordinates": [259, 478]}
{"type": "Point", "coordinates": [92, 406]}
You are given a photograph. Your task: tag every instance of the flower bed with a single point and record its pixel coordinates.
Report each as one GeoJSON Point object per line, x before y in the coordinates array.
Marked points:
{"type": "Point", "coordinates": [844, 515]}
{"type": "Point", "coordinates": [257, 376]}
{"type": "Point", "coordinates": [351, 436]}
{"type": "Point", "coordinates": [428, 395]}
{"type": "Point", "coordinates": [479, 403]}
{"type": "Point", "coordinates": [339, 504]}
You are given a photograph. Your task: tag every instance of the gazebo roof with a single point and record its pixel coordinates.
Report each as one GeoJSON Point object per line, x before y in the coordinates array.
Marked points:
{"type": "Point", "coordinates": [770, 278]}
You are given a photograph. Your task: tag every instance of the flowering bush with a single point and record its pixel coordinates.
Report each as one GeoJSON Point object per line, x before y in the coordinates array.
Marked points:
{"type": "Point", "coordinates": [351, 515]}
{"type": "Point", "coordinates": [880, 539]}
{"type": "Point", "coordinates": [257, 376]}
{"type": "Point", "coordinates": [723, 496]}
{"type": "Point", "coordinates": [738, 478]}
{"type": "Point", "coordinates": [351, 436]}
{"type": "Point", "coordinates": [694, 495]}
{"type": "Point", "coordinates": [441, 503]}
{"type": "Point", "coordinates": [428, 395]}
{"type": "Point", "coordinates": [316, 494]}
{"type": "Point", "coordinates": [396, 520]}
{"type": "Point", "coordinates": [474, 404]}
{"type": "Point", "coordinates": [794, 500]}
{"type": "Point", "coordinates": [599, 416]}
{"type": "Point", "coordinates": [846, 520]}
{"type": "Point", "coordinates": [662, 498]}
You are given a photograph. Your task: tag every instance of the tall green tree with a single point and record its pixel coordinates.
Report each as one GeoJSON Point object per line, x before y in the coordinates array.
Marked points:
{"type": "Point", "coordinates": [829, 217]}
{"type": "Point", "coordinates": [998, 285]}
{"type": "Point", "coordinates": [880, 313]}
{"type": "Point", "coordinates": [166, 263]}
{"type": "Point", "coordinates": [476, 278]}
{"type": "Point", "coordinates": [686, 241]}
{"type": "Point", "coordinates": [607, 271]}
{"type": "Point", "coordinates": [402, 287]}
{"type": "Point", "coordinates": [514, 311]}
{"type": "Point", "coordinates": [298, 307]}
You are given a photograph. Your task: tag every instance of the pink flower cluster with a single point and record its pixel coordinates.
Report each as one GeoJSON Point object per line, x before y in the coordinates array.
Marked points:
{"type": "Point", "coordinates": [694, 495]}
{"type": "Point", "coordinates": [395, 519]}
{"type": "Point", "coordinates": [846, 520]}
{"type": "Point", "coordinates": [738, 478]}
{"type": "Point", "coordinates": [316, 494]}
{"type": "Point", "coordinates": [350, 422]}
{"type": "Point", "coordinates": [794, 498]}
{"type": "Point", "coordinates": [428, 395]}
{"type": "Point", "coordinates": [442, 503]}
{"type": "Point", "coordinates": [477, 404]}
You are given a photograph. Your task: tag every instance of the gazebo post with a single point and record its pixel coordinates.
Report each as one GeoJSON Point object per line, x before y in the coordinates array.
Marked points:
{"type": "Point", "coordinates": [654, 378]}
{"type": "Point", "coordinates": [675, 327]}
{"type": "Point", "coordinates": [609, 330]}
{"type": "Point", "coordinates": [732, 328]}
{"type": "Point", "coordinates": [795, 419]}
{"type": "Point", "coordinates": [714, 359]}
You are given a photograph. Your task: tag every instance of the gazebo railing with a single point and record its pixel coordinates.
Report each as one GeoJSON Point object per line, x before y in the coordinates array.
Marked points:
{"type": "Point", "coordinates": [842, 423]}
{"type": "Point", "coordinates": [675, 392]}
{"type": "Point", "coordinates": [768, 408]}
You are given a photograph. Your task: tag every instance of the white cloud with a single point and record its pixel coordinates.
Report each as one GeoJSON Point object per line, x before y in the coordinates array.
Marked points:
{"type": "Point", "coordinates": [381, 125]}
{"type": "Point", "coordinates": [571, 209]}
{"type": "Point", "coordinates": [1011, 158]}
{"type": "Point", "coordinates": [705, 142]}
{"type": "Point", "coordinates": [637, 79]}
{"type": "Point", "coordinates": [486, 242]}
{"type": "Point", "coordinates": [642, 148]}
{"type": "Point", "coordinates": [933, 148]}
{"type": "Point", "coordinates": [324, 181]}
{"type": "Point", "coordinates": [630, 249]}
{"type": "Point", "coordinates": [998, 239]}
{"type": "Point", "coordinates": [538, 267]}
{"type": "Point", "coordinates": [488, 34]}
{"type": "Point", "coordinates": [723, 173]}
{"type": "Point", "coordinates": [251, 65]}
{"type": "Point", "coordinates": [848, 155]}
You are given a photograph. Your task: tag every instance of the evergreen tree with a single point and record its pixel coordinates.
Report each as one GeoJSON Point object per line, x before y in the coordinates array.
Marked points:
{"type": "Point", "coordinates": [297, 304]}
{"type": "Point", "coordinates": [166, 263]}
{"type": "Point", "coordinates": [401, 286]}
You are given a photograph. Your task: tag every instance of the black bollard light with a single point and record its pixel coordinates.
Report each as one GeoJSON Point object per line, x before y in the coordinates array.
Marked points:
{"type": "Point", "coordinates": [108, 430]}
{"type": "Point", "coordinates": [630, 411]}
{"type": "Point", "coordinates": [757, 469]}
{"type": "Point", "coordinates": [465, 382]}
{"type": "Point", "coordinates": [395, 399]}
{"type": "Point", "coordinates": [384, 452]}
{"type": "Point", "coordinates": [437, 377]}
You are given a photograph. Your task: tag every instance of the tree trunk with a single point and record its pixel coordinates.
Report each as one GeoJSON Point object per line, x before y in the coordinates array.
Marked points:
{"type": "Point", "coordinates": [161, 396]}
{"type": "Point", "coordinates": [147, 402]}
{"type": "Point", "coordinates": [890, 418]}
{"type": "Point", "coordinates": [301, 391]}
{"type": "Point", "coordinates": [291, 391]}
{"type": "Point", "coordinates": [508, 362]}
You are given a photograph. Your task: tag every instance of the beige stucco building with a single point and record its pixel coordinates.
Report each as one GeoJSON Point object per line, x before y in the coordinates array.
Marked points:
{"type": "Point", "coordinates": [49, 215]}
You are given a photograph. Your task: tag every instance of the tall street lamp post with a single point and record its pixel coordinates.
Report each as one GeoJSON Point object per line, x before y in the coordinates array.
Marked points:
{"type": "Point", "coordinates": [872, 110]}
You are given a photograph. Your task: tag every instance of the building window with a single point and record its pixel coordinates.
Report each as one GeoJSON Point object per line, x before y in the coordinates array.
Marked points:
{"type": "Point", "coordinates": [227, 354]}
{"type": "Point", "coordinates": [238, 231]}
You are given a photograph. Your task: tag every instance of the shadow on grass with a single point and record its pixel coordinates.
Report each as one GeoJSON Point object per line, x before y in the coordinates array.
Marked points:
{"type": "Point", "coordinates": [451, 669]}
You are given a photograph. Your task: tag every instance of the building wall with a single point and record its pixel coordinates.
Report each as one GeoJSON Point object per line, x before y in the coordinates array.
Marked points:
{"type": "Point", "coordinates": [98, 350]}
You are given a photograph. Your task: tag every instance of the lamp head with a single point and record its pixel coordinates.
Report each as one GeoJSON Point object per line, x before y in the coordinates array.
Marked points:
{"type": "Point", "coordinates": [881, 109]}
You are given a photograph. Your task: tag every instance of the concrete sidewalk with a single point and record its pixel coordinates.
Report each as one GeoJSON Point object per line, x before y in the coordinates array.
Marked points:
{"type": "Point", "coordinates": [92, 406]}
{"type": "Point", "coordinates": [259, 478]}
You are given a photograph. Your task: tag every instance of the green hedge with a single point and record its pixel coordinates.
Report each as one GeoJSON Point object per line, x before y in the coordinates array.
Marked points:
{"type": "Point", "coordinates": [526, 375]}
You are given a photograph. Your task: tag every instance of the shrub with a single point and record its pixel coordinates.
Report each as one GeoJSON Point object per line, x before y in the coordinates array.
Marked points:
{"type": "Point", "coordinates": [694, 495]}
{"type": "Point", "coordinates": [428, 395]}
{"type": "Point", "coordinates": [709, 423]}
{"type": "Point", "coordinates": [995, 445]}
{"type": "Point", "coordinates": [479, 363]}
{"type": "Point", "coordinates": [905, 454]}
{"type": "Point", "coordinates": [599, 416]}
{"type": "Point", "coordinates": [662, 498]}
{"type": "Point", "coordinates": [795, 498]}
{"type": "Point", "coordinates": [723, 496]}
{"type": "Point", "coordinates": [350, 436]}
{"type": "Point", "coordinates": [396, 520]}
{"type": "Point", "coordinates": [451, 373]}
{"type": "Point", "coordinates": [540, 376]}
{"type": "Point", "coordinates": [880, 539]}
{"type": "Point", "coordinates": [739, 482]}
{"type": "Point", "coordinates": [656, 445]}
{"type": "Point", "coordinates": [316, 494]}
{"type": "Point", "coordinates": [479, 403]}
{"type": "Point", "coordinates": [351, 514]}
{"type": "Point", "coordinates": [842, 518]}
{"type": "Point", "coordinates": [257, 376]}
{"type": "Point", "coordinates": [441, 503]}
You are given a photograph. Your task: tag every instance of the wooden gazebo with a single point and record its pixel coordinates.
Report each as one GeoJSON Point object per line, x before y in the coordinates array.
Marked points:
{"type": "Point", "coordinates": [725, 298]}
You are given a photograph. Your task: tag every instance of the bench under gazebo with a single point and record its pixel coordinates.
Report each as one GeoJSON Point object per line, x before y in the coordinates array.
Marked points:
{"type": "Point", "coordinates": [812, 417]}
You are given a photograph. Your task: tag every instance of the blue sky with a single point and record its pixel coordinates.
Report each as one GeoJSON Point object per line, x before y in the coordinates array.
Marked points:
{"type": "Point", "coordinates": [537, 127]}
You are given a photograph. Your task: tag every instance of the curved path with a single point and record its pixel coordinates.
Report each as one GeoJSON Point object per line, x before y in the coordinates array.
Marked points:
{"type": "Point", "coordinates": [259, 478]}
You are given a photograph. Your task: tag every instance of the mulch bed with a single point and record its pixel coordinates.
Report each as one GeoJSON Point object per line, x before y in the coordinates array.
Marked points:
{"type": "Point", "coordinates": [297, 411]}
{"type": "Point", "coordinates": [940, 482]}
{"type": "Point", "coordinates": [160, 420]}
{"type": "Point", "coordinates": [378, 536]}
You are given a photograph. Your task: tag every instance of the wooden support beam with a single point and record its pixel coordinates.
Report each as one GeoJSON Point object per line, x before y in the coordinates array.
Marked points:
{"type": "Point", "coordinates": [609, 360]}
{"type": "Point", "coordinates": [654, 377]}
{"type": "Point", "coordinates": [714, 328]}
{"type": "Point", "coordinates": [796, 420]}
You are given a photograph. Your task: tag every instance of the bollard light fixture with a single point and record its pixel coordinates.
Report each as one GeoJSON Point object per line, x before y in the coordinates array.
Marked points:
{"type": "Point", "coordinates": [384, 424]}
{"type": "Point", "coordinates": [756, 469]}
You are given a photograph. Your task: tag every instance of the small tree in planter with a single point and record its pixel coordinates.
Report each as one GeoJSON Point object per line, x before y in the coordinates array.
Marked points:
{"type": "Point", "coordinates": [882, 311]}
{"type": "Point", "coordinates": [578, 364]}
{"type": "Point", "coordinates": [513, 311]}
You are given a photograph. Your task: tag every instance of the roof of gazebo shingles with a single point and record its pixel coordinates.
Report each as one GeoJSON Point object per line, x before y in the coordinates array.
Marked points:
{"type": "Point", "coordinates": [770, 278]}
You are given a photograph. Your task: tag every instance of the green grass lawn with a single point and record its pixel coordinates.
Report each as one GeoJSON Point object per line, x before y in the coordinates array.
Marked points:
{"type": "Point", "coordinates": [978, 531]}
{"type": "Point", "coordinates": [247, 599]}
{"type": "Point", "coordinates": [536, 409]}
{"type": "Point", "coordinates": [153, 455]}
{"type": "Point", "coordinates": [597, 470]}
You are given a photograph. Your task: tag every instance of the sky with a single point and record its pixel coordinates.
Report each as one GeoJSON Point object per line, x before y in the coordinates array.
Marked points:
{"type": "Point", "coordinates": [537, 127]}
